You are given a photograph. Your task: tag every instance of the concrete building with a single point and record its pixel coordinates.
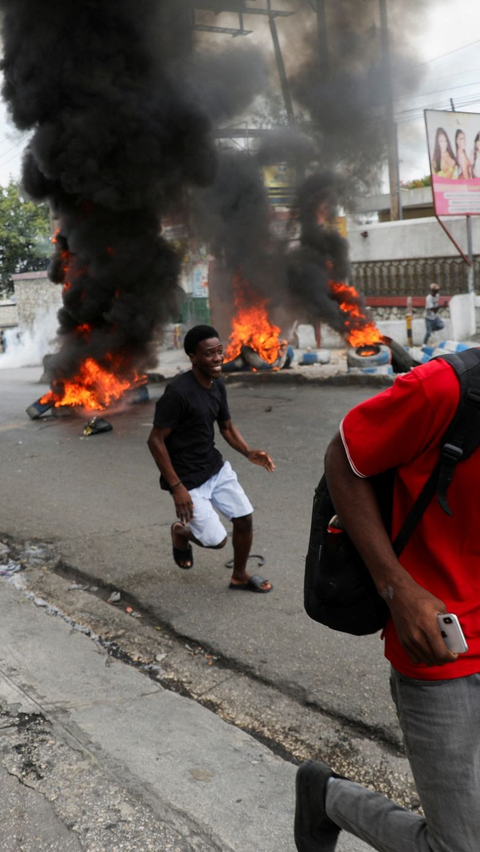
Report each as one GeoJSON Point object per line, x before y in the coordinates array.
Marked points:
{"type": "Point", "coordinates": [8, 314]}
{"type": "Point", "coordinates": [35, 294]}
{"type": "Point", "coordinates": [401, 258]}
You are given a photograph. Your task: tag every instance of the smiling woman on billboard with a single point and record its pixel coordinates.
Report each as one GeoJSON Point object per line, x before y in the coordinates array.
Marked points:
{"type": "Point", "coordinates": [444, 163]}
{"type": "Point", "coordinates": [476, 157]}
{"type": "Point", "coordinates": [464, 166]}
{"type": "Point", "coordinates": [455, 170]}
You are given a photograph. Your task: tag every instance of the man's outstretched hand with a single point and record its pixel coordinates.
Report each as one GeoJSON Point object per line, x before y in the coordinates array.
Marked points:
{"type": "Point", "coordinates": [262, 459]}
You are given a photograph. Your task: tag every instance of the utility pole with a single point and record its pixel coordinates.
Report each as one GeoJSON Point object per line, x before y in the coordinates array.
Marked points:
{"type": "Point", "coordinates": [287, 97]}
{"type": "Point", "coordinates": [323, 41]}
{"type": "Point", "coordinates": [390, 126]}
{"type": "Point", "coordinates": [471, 267]}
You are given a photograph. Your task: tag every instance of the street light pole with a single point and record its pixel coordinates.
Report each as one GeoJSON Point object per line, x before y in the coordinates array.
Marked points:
{"type": "Point", "coordinates": [390, 126]}
{"type": "Point", "coordinates": [323, 41]}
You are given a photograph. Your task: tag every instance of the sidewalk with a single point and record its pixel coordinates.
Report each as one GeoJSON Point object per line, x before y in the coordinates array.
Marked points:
{"type": "Point", "coordinates": [109, 760]}
{"type": "Point", "coordinates": [171, 362]}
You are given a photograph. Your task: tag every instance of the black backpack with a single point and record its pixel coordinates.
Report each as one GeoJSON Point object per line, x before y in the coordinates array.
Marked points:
{"type": "Point", "coordinates": [338, 590]}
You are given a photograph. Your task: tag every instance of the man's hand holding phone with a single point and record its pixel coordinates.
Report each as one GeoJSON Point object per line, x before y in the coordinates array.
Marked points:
{"type": "Point", "coordinates": [452, 633]}
{"type": "Point", "coordinates": [415, 615]}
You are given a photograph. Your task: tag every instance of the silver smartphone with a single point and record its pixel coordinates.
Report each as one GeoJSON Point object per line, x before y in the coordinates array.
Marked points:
{"type": "Point", "coordinates": [452, 633]}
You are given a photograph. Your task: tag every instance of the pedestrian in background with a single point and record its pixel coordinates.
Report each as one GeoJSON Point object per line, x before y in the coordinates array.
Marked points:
{"type": "Point", "coordinates": [432, 320]}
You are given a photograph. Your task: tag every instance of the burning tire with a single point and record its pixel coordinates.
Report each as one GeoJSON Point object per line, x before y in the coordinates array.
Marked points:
{"type": "Point", "coordinates": [370, 355]}
{"type": "Point", "coordinates": [402, 361]}
{"type": "Point", "coordinates": [237, 365]}
{"type": "Point", "coordinates": [254, 360]}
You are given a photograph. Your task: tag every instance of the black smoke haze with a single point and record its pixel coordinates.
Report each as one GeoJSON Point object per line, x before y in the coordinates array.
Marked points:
{"type": "Point", "coordinates": [234, 217]}
{"type": "Point", "coordinates": [342, 137]}
{"type": "Point", "coordinates": [224, 81]}
{"type": "Point", "coordinates": [115, 142]}
{"type": "Point", "coordinates": [122, 106]}
{"type": "Point", "coordinates": [345, 107]}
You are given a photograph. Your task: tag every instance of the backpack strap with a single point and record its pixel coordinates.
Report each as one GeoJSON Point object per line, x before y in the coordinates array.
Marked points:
{"type": "Point", "coordinates": [417, 510]}
{"type": "Point", "coordinates": [463, 435]}
{"type": "Point", "coordinates": [461, 439]}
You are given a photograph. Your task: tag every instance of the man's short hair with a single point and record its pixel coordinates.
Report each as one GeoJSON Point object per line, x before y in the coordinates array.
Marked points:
{"type": "Point", "coordinates": [434, 286]}
{"type": "Point", "coordinates": [196, 335]}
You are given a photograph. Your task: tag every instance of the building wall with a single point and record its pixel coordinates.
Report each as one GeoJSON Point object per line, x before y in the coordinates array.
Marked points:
{"type": "Point", "coordinates": [8, 314]}
{"type": "Point", "coordinates": [35, 295]}
{"type": "Point", "coordinates": [412, 238]}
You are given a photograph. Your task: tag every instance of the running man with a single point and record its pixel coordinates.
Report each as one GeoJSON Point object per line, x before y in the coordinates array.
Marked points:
{"type": "Point", "coordinates": [182, 442]}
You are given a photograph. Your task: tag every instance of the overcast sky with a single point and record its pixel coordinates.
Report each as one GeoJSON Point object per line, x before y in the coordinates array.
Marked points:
{"type": "Point", "coordinates": [449, 49]}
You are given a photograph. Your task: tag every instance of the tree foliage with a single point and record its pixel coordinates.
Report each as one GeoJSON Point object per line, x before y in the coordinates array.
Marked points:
{"type": "Point", "coordinates": [24, 235]}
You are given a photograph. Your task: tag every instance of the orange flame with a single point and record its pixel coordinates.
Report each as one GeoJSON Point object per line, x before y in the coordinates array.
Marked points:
{"type": "Point", "coordinates": [251, 326]}
{"type": "Point", "coordinates": [83, 330]}
{"type": "Point", "coordinates": [93, 388]}
{"type": "Point", "coordinates": [360, 330]}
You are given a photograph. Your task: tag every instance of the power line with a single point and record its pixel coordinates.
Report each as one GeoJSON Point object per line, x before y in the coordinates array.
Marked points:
{"type": "Point", "coordinates": [436, 91]}
{"type": "Point", "coordinates": [471, 98]}
{"type": "Point", "coordinates": [417, 113]}
{"type": "Point", "coordinates": [13, 147]}
{"type": "Point", "coordinates": [450, 52]}
{"type": "Point", "coordinates": [456, 74]}
{"type": "Point", "coordinates": [402, 74]}
{"type": "Point", "coordinates": [15, 156]}
{"type": "Point", "coordinates": [7, 137]}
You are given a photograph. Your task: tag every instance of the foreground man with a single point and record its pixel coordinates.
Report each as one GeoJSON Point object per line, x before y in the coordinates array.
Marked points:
{"type": "Point", "coordinates": [437, 694]}
{"type": "Point", "coordinates": [182, 443]}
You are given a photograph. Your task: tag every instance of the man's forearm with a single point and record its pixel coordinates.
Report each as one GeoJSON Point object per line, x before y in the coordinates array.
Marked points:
{"type": "Point", "coordinates": [233, 437]}
{"type": "Point", "coordinates": [163, 461]}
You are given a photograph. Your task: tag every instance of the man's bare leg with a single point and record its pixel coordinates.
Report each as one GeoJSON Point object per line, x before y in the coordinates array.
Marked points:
{"type": "Point", "coordinates": [242, 544]}
{"type": "Point", "coordinates": [183, 536]}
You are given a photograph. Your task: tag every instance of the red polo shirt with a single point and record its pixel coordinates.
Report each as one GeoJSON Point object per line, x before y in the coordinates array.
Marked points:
{"type": "Point", "coordinates": [402, 428]}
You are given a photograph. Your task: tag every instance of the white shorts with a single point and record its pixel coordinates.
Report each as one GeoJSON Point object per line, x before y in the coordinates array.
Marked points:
{"type": "Point", "coordinates": [223, 492]}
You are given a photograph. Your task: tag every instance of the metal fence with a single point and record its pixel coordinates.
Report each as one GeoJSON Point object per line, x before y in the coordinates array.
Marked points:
{"type": "Point", "coordinates": [194, 311]}
{"type": "Point", "coordinates": [412, 277]}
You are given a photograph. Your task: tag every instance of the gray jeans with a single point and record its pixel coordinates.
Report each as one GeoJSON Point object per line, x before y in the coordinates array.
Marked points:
{"type": "Point", "coordinates": [440, 721]}
{"type": "Point", "coordinates": [431, 325]}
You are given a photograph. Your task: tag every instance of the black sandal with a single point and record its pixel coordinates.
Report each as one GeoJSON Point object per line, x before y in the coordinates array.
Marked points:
{"type": "Point", "coordinates": [254, 584]}
{"type": "Point", "coordinates": [181, 555]}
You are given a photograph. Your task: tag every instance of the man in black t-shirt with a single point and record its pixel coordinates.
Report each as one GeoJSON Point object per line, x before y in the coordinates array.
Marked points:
{"type": "Point", "coordinates": [182, 443]}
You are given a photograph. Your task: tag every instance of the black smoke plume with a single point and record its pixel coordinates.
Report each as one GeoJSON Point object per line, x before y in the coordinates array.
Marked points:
{"type": "Point", "coordinates": [342, 96]}
{"type": "Point", "coordinates": [115, 142]}
{"type": "Point", "coordinates": [322, 260]}
{"type": "Point", "coordinates": [233, 215]}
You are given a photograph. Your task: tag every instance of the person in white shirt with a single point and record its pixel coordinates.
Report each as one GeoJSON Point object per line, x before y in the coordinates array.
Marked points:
{"type": "Point", "coordinates": [432, 320]}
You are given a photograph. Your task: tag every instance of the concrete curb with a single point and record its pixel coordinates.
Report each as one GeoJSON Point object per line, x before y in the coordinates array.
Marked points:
{"type": "Point", "coordinates": [202, 783]}
{"type": "Point", "coordinates": [292, 377]}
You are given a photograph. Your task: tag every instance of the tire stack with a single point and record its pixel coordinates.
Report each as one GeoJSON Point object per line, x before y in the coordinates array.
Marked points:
{"type": "Point", "coordinates": [378, 361]}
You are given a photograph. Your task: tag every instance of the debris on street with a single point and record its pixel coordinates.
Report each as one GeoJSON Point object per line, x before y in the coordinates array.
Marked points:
{"type": "Point", "coordinates": [96, 425]}
{"type": "Point", "coordinates": [10, 568]}
{"type": "Point", "coordinates": [137, 395]}
{"type": "Point", "coordinates": [39, 408]}
{"type": "Point", "coordinates": [132, 612]}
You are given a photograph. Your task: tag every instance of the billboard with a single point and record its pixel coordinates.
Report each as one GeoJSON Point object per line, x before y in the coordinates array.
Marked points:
{"type": "Point", "coordinates": [454, 150]}
{"type": "Point", "coordinates": [280, 181]}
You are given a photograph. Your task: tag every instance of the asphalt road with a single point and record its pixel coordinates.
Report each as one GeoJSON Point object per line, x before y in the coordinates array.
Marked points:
{"type": "Point", "coordinates": [98, 499]}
